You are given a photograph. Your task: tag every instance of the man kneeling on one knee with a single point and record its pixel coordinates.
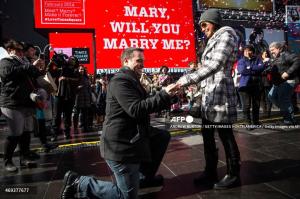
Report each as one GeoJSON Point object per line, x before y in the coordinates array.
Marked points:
{"type": "Point", "coordinates": [128, 142]}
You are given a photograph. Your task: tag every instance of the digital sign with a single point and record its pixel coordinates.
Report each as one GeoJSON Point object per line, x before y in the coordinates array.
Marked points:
{"type": "Point", "coordinates": [75, 44]}
{"type": "Point", "coordinates": [292, 14]}
{"type": "Point", "coordinates": [164, 29]}
{"type": "Point", "coordinates": [293, 24]}
{"type": "Point", "coordinates": [255, 5]}
{"type": "Point", "coordinates": [82, 54]}
{"type": "Point", "coordinates": [63, 12]}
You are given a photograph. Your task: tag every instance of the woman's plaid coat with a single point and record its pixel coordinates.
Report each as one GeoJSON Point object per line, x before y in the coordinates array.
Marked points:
{"type": "Point", "coordinates": [218, 98]}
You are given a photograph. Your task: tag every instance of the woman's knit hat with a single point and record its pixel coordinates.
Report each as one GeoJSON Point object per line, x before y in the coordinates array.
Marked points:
{"type": "Point", "coordinates": [211, 15]}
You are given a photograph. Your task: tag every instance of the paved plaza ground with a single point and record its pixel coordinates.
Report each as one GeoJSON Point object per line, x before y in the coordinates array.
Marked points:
{"type": "Point", "coordinates": [270, 164]}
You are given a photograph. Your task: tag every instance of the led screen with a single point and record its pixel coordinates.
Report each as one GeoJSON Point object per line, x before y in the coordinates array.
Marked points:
{"type": "Point", "coordinates": [75, 44]}
{"type": "Point", "coordinates": [163, 28]}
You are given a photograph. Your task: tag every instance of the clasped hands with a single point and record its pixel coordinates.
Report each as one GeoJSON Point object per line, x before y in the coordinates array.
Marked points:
{"type": "Point", "coordinates": [172, 89]}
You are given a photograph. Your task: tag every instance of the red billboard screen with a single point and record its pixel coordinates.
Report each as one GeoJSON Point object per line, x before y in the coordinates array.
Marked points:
{"type": "Point", "coordinates": [79, 45]}
{"type": "Point", "coordinates": [62, 12]}
{"type": "Point", "coordinates": [165, 29]}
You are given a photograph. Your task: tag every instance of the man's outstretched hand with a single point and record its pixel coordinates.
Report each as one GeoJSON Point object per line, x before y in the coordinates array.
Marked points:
{"type": "Point", "coordinates": [181, 82]}
{"type": "Point", "coordinates": [171, 89]}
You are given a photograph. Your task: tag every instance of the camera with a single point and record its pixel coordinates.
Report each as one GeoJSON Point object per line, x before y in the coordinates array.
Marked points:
{"type": "Point", "coordinates": [59, 59]}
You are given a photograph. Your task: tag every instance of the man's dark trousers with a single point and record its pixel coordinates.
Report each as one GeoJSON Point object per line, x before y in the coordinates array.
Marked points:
{"type": "Point", "coordinates": [159, 140]}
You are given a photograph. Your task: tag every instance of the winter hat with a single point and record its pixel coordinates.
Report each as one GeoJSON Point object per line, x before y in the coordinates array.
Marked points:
{"type": "Point", "coordinates": [211, 15]}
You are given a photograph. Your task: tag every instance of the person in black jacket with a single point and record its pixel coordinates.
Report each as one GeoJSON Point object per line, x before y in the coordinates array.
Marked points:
{"type": "Point", "coordinates": [68, 78]}
{"type": "Point", "coordinates": [17, 103]}
{"type": "Point", "coordinates": [83, 101]}
{"type": "Point", "coordinates": [128, 142]}
{"type": "Point", "coordinates": [285, 74]}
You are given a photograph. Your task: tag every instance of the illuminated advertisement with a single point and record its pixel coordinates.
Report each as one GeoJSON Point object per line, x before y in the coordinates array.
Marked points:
{"type": "Point", "coordinates": [294, 37]}
{"type": "Point", "coordinates": [75, 44]}
{"type": "Point", "coordinates": [292, 14]}
{"type": "Point", "coordinates": [62, 12]}
{"type": "Point", "coordinates": [255, 5]}
{"type": "Point", "coordinates": [164, 29]}
{"type": "Point", "coordinates": [82, 54]}
{"type": "Point", "coordinates": [293, 24]}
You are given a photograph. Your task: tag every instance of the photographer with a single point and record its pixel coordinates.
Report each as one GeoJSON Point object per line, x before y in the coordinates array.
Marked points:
{"type": "Point", "coordinates": [66, 75]}
{"type": "Point", "coordinates": [17, 103]}
{"type": "Point", "coordinates": [285, 74]}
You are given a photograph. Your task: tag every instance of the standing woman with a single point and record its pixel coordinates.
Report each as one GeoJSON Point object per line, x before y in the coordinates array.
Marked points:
{"type": "Point", "coordinates": [267, 82]}
{"type": "Point", "coordinates": [101, 99]}
{"type": "Point", "coordinates": [83, 100]}
{"type": "Point", "coordinates": [17, 103]}
{"type": "Point", "coordinates": [218, 104]}
{"type": "Point", "coordinates": [164, 77]}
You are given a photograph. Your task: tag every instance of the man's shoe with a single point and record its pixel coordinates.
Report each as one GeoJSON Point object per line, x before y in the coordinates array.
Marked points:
{"type": "Point", "coordinates": [70, 185]}
{"type": "Point", "coordinates": [229, 181]}
{"type": "Point", "coordinates": [206, 179]}
{"type": "Point", "coordinates": [156, 181]}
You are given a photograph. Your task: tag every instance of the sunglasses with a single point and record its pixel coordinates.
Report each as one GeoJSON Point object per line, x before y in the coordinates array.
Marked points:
{"type": "Point", "coordinates": [203, 25]}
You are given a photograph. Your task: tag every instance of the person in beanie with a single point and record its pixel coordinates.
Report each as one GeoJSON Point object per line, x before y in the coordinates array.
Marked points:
{"type": "Point", "coordinates": [219, 100]}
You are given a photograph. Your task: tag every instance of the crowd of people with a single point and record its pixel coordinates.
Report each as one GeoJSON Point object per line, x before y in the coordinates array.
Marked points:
{"type": "Point", "coordinates": [35, 97]}
{"type": "Point", "coordinates": [213, 88]}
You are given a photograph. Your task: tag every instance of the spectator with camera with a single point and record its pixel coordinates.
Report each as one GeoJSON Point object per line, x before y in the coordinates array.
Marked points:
{"type": "Point", "coordinates": [17, 103]}
{"type": "Point", "coordinates": [65, 71]}
{"type": "Point", "coordinates": [43, 91]}
{"type": "Point", "coordinates": [285, 75]}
